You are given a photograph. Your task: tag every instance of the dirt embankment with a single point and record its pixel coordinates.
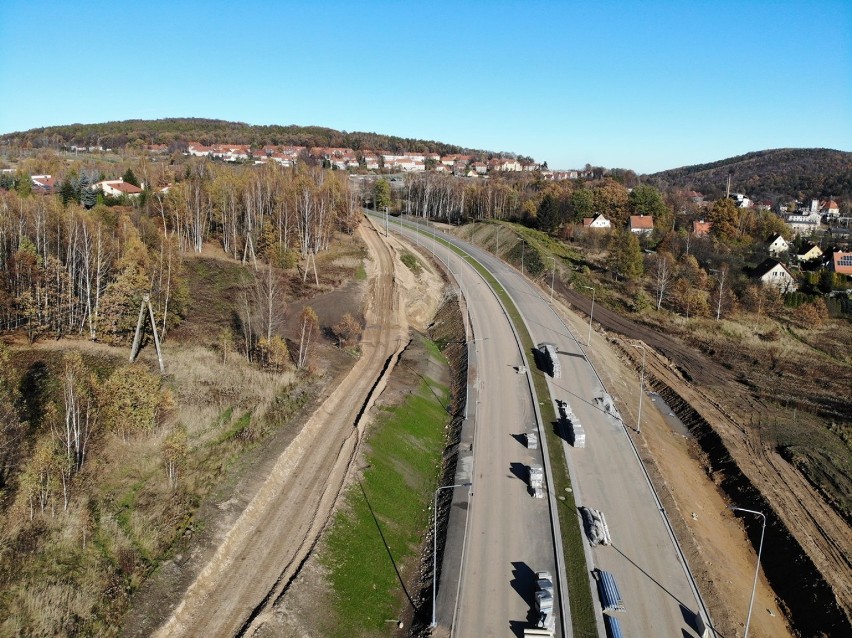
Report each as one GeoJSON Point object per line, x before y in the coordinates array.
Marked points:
{"type": "Point", "coordinates": [302, 607]}
{"type": "Point", "coordinates": [258, 556]}
{"type": "Point", "coordinates": [806, 549]}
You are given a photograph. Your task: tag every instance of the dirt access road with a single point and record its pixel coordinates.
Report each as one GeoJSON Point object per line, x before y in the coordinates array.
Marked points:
{"type": "Point", "coordinates": [793, 505]}
{"type": "Point", "coordinates": [257, 559]}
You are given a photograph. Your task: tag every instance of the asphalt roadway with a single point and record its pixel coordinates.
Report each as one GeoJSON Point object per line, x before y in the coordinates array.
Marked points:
{"type": "Point", "coordinates": [508, 533]}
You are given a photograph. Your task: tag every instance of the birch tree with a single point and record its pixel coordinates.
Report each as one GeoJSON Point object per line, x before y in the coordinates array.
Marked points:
{"type": "Point", "coordinates": [308, 328]}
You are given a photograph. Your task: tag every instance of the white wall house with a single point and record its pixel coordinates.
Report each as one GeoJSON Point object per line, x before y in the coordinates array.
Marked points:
{"type": "Point", "coordinates": [598, 221]}
{"type": "Point", "coordinates": [773, 273]}
{"type": "Point", "coordinates": [778, 246]}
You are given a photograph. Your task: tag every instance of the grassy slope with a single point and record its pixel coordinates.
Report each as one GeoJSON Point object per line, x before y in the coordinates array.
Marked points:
{"type": "Point", "coordinates": [379, 528]}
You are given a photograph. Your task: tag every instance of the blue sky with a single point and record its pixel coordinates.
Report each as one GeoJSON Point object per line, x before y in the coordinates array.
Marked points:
{"type": "Point", "coordinates": [641, 85]}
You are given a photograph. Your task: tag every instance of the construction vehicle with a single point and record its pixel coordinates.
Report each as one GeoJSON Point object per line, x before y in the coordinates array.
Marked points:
{"type": "Point", "coordinates": [536, 476]}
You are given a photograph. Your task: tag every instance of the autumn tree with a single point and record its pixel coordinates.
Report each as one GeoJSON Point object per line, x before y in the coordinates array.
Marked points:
{"type": "Point", "coordinates": [308, 329]}
{"type": "Point", "coordinates": [346, 330]}
{"type": "Point", "coordinates": [131, 401]}
{"type": "Point", "coordinates": [175, 453]}
{"type": "Point", "coordinates": [725, 217]}
{"type": "Point", "coordinates": [12, 429]}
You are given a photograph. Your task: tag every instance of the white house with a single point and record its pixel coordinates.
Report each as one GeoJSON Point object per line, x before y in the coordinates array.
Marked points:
{"type": "Point", "coordinates": [777, 246]}
{"type": "Point", "coordinates": [598, 221]}
{"type": "Point", "coordinates": [641, 224]}
{"type": "Point", "coordinates": [804, 224]}
{"type": "Point", "coordinates": [117, 188]}
{"type": "Point", "coordinates": [773, 273]}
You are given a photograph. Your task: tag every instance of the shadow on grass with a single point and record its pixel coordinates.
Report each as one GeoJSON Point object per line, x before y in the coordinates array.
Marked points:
{"type": "Point", "coordinates": [387, 549]}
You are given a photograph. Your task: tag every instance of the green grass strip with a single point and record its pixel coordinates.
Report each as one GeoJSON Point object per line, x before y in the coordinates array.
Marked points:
{"type": "Point", "coordinates": [379, 528]}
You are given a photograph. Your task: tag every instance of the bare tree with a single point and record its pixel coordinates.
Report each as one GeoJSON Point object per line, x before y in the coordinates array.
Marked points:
{"type": "Point", "coordinates": [663, 276]}
{"type": "Point", "coordinates": [308, 327]}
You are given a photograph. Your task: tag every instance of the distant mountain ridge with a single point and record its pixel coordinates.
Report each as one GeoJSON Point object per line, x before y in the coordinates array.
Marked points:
{"type": "Point", "coordinates": [775, 175]}
{"type": "Point", "coordinates": [210, 131]}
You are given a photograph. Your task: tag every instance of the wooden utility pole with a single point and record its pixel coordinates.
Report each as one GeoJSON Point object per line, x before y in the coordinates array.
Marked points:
{"type": "Point", "coordinates": [134, 351]}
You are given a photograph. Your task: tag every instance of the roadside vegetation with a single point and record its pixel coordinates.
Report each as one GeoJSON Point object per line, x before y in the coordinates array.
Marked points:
{"type": "Point", "coordinates": [372, 550]}
{"type": "Point", "coordinates": [105, 464]}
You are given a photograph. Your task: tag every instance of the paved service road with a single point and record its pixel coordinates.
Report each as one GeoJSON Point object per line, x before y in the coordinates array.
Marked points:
{"type": "Point", "coordinates": [659, 597]}
{"type": "Point", "coordinates": [508, 531]}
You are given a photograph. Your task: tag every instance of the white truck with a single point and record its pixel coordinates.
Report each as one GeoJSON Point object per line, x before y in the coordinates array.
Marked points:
{"type": "Point", "coordinates": [536, 475]}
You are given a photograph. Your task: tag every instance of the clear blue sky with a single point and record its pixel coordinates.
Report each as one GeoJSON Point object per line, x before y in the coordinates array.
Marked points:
{"type": "Point", "coordinates": [641, 85]}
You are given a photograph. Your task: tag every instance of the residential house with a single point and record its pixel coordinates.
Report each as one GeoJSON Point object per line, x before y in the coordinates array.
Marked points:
{"type": "Point", "coordinates": [700, 228]}
{"type": "Point", "coordinates": [841, 262]}
{"type": "Point", "coordinates": [695, 197]}
{"type": "Point", "coordinates": [641, 224]}
{"type": "Point", "coordinates": [44, 184]}
{"type": "Point", "coordinates": [157, 149]}
{"type": "Point", "coordinates": [504, 164]}
{"type": "Point", "coordinates": [598, 221]}
{"type": "Point", "coordinates": [804, 224]}
{"type": "Point", "coordinates": [741, 200]}
{"type": "Point", "coordinates": [809, 252]}
{"type": "Point", "coordinates": [777, 246]}
{"type": "Point", "coordinates": [480, 168]}
{"type": "Point", "coordinates": [829, 208]}
{"type": "Point", "coordinates": [371, 161]}
{"type": "Point", "coordinates": [117, 188]}
{"type": "Point", "coordinates": [198, 150]}
{"type": "Point", "coordinates": [773, 273]}
{"type": "Point", "coordinates": [558, 176]}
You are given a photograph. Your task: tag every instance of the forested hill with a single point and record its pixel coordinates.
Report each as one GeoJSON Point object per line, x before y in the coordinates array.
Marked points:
{"type": "Point", "coordinates": [779, 174]}
{"type": "Point", "coordinates": [181, 130]}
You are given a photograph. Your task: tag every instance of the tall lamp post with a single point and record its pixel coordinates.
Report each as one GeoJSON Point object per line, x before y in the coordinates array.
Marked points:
{"type": "Point", "coordinates": [523, 246]}
{"type": "Point", "coordinates": [591, 314]}
{"type": "Point", "coordinates": [641, 388]}
{"type": "Point", "coordinates": [435, 546]}
{"type": "Point", "coordinates": [757, 567]}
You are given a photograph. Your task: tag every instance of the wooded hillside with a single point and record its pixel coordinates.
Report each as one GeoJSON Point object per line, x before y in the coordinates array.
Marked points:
{"type": "Point", "coordinates": [181, 130]}
{"type": "Point", "coordinates": [779, 175]}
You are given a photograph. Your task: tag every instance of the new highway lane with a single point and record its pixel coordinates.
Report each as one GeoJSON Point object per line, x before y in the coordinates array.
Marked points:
{"type": "Point", "coordinates": [508, 535]}
{"type": "Point", "coordinates": [504, 533]}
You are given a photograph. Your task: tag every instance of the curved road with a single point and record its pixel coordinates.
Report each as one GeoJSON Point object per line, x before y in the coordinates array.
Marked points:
{"type": "Point", "coordinates": [659, 596]}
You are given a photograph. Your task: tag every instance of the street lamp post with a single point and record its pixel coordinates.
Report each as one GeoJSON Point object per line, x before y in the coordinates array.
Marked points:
{"type": "Point", "coordinates": [757, 567]}
{"type": "Point", "coordinates": [552, 279]}
{"type": "Point", "coordinates": [386, 221]}
{"type": "Point", "coordinates": [641, 388]}
{"type": "Point", "coordinates": [523, 246]}
{"type": "Point", "coordinates": [435, 546]}
{"type": "Point", "coordinates": [591, 315]}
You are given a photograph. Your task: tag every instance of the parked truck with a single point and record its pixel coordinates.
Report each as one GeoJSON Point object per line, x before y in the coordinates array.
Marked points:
{"type": "Point", "coordinates": [536, 475]}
